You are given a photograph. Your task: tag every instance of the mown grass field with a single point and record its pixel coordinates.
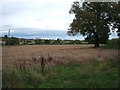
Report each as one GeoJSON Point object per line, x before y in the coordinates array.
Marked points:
{"type": "Point", "coordinates": [72, 66]}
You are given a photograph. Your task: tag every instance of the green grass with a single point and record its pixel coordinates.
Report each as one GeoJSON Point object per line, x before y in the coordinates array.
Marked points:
{"type": "Point", "coordinates": [90, 74]}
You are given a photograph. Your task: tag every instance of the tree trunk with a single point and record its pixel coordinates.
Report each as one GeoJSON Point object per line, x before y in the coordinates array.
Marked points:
{"type": "Point", "coordinates": [97, 45]}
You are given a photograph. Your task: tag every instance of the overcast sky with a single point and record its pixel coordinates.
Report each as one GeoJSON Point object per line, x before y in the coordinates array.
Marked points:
{"type": "Point", "coordinates": [35, 15]}
{"type": "Point", "coordinates": [41, 14]}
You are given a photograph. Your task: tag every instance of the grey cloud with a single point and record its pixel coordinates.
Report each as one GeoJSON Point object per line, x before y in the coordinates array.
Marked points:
{"type": "Point", "coordinates": [16, 8]}
{"type": "Point", "coordinates": [13, 8]}
{"type": "Point", "coordinates": [5, 27]}
{"type": "Point", "coordinates": [43, 14]}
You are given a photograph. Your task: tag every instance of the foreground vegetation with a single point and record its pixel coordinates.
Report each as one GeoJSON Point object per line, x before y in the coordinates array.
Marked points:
{"type": "Point", "coordinates": [88, 74]}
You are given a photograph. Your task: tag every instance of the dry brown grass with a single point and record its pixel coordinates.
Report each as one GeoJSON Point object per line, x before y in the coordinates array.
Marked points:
{"type": "Point", "coordinates": [61, 54]}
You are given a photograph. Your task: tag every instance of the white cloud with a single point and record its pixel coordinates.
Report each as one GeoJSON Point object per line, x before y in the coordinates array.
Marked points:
{"type": "Point", "coordinates": [43, 14]}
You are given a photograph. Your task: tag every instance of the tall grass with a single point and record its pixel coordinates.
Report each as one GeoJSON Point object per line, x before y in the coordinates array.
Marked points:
{"type": "Point", "coordinates": [89, 74]}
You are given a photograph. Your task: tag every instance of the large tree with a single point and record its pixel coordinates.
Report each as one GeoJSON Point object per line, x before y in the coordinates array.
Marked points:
{"type": "Point", "coordinates": [93, 20]}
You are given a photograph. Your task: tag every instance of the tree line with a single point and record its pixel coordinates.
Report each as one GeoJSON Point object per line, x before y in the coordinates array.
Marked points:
{"type": "Point", "coordinates": [21, 41]}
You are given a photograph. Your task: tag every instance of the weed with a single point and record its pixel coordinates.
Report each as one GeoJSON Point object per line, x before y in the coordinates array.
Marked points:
{"type": "Point", "coordinates": [89, 74]}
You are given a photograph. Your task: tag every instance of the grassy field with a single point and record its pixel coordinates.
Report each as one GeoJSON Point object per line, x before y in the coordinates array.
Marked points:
{"type": "Point", "coordinates": [72, 66]}
{"type": "Point", "coordinates": [60, 53]}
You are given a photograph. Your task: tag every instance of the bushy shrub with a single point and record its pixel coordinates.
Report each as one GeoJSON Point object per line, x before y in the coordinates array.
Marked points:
{"type": "Point", "coordinates": [38, 41]}
{"type": "Point", "coordinates": [47, 42]}
{"type": "Point", "coordinates": [12, 41]}
{"type": "Point", "coordinates": [114, 43]}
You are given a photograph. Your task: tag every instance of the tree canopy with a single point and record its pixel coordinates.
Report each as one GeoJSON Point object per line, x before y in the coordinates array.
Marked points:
{"type": "Point", "coordinates": [94, 20]}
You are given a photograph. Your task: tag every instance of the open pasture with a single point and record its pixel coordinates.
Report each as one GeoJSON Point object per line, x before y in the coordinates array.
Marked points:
{"type": "Point", "coordinates": [97, 67]}
{"type": "Point", "coordinates": [61, 54]}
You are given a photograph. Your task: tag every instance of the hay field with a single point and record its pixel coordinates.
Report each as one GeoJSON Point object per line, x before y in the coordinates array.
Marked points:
{"type": "Point", "coordinates": [61, 54]}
